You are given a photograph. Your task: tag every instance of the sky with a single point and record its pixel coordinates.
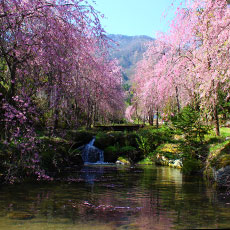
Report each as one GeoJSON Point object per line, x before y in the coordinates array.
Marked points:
{"type": "Point", "coordinates": [135, 17]}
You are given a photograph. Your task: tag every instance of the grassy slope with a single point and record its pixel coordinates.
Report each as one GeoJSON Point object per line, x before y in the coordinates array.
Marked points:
{"type": "Point", "coordinates": [219, 151]}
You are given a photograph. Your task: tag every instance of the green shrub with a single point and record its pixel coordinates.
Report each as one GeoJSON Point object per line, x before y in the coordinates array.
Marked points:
{"type": "Point", "coordinates": [148, 139]}
{"type": "Point", "coordinates": [189, 124]}
{"type": "Point", "coordinates": [118, 137]}
{"type": "Point", "coordinates": [144, 145]}
{"type": "Point", "coordinates": [127, 149]}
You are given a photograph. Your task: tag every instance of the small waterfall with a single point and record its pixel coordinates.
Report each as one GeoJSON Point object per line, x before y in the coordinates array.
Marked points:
{"type": "Point", "coordinates": [92, 154]}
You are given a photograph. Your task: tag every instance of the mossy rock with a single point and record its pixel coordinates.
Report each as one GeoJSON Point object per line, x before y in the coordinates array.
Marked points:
{"type": "Point", "coordinates": [161, 160]}
{"type": "Point", "coordinates": [123, 161]}
{"type": "Point", "coordinates": [169, 150]}
{"type": "Point", "coordinates": [169, 155]}
{"type": "Point", "coordinates": [222, 161]}
{"type": "Point", "coordinates": [220, 158]}
{"type": "Point", "coordinates": [20, 215]}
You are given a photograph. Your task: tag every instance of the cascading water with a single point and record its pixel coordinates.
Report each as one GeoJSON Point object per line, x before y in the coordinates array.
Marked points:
{"type": "Point", "coordinates": [92, 154]}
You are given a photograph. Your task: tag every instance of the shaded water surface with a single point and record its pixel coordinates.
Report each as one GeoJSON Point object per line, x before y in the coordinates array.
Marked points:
{"type": "Point", "coordinates": [115, 198]}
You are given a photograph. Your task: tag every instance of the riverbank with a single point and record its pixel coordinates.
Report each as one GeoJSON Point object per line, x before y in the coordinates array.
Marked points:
{"type": "Point", "coordinates": [59, 154]}
{"type": "Point", "coordinates": [214, 162]}
{"type": "Point", "coordinates": [52, 156]}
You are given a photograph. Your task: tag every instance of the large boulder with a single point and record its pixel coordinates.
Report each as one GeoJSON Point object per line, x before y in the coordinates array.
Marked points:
{"type": "Point", "coordinates": [169, 155]}
{"type": "Point", "coordinates": [222, 176]}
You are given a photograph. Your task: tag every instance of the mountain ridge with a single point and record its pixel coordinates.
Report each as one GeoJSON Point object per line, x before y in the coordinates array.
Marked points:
{"type": "Point", "coordinates": [128, 50]}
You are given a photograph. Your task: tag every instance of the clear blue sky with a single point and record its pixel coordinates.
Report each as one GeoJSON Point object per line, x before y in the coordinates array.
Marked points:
{"type": "Point", "coordinates": [135, 17]}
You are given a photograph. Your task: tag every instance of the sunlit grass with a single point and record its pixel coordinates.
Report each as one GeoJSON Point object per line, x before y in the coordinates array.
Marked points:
{"type": "Point", "coordinates": [146, 161]}
{"type": "Point", "coordinates": [225, 132]}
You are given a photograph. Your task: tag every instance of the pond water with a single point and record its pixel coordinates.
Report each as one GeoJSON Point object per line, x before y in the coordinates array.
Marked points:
{"type": "Point", "coordinates": [115, 198]}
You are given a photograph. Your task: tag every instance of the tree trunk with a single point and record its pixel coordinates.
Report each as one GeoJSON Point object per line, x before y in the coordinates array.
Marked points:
{"type": "Point", "coordinates": [94, 114]}
{"type": "Point", "coordinates": [216, 121]}
{"type": "Point", "coordinates": [56, 116]}
{"type": "Point", "coordinates": [177, 99]}
{"type": "Point", "coordinates": [13, 86]}
{"type": "Point", "coordinates": [151, 118]}
{"type": "Point", "coordinates": [157, 119]}
{"type": "Point", "coordinates": [89, 115]}
{"type": "Point", "coordinates": [215, 110]}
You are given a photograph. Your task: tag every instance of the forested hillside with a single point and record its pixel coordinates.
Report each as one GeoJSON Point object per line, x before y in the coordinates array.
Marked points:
{"type": "Point", "coordinates": [128, 50]}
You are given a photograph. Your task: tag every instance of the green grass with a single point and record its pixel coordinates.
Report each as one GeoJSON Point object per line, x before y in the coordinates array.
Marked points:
{"type": "Point", "coordinates": [225, 132]}
{"type": "Point", "coordinates": [216, 142]}
{"type": "Point", "coordinates": [147, 161]}
{"type": "Point", "coordinates": [217, 146]}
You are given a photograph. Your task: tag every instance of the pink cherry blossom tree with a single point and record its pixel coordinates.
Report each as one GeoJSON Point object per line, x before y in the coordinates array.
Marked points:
{"type": "Point", "coordinates": [54, 60]}
{"type": "Point", "coordinates": [192, 65]}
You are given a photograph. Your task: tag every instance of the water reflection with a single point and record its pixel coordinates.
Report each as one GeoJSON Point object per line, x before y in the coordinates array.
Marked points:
{"type": "Point", "coordinates": [111, 197]}
{"type": "Point", "coordinates": [90, 174]}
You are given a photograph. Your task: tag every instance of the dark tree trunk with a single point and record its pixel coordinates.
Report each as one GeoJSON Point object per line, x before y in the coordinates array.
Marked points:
{"type": "Point", "coordinates": [157, 119]}
{"type": "Point", "coordinates": [95, 114]}
{"type": "Point", "coordinates": [12, 90]}
{"type": "Point", "coordinates": [216, 121]}
{"type": "Point", "coordinates": [89, 115]}
{"type": "Point", "coordinates": [151, 118]}
{"type": "Point", "coordinates": [56, 117]}
{"type": "Point", "coordinates": [77, 115]}
{"type": "Point", "coordinates": [177, 99]}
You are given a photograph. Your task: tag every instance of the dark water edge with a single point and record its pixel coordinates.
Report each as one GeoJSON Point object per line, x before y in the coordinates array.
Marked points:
{"type": "Point", "coordinates": [116, 198]}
